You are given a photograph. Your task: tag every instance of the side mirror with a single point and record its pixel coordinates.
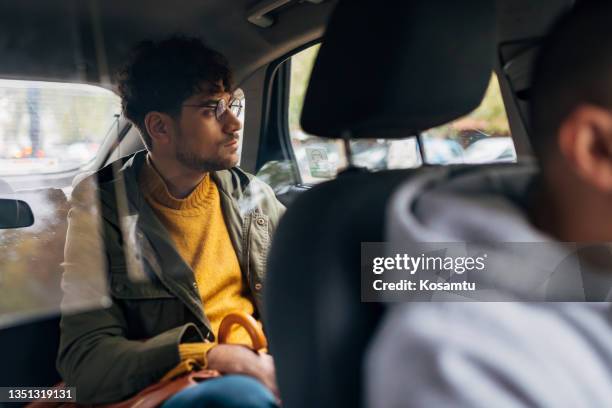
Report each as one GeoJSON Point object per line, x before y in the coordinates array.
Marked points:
{"type": "Point", "coordinates": [15, 214]}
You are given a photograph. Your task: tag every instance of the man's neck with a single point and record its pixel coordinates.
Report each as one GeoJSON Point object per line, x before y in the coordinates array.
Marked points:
{"type": "Point", "coordinates": [179, 180]}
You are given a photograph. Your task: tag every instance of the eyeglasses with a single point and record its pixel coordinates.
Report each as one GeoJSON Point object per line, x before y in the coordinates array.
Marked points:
{"type": "Point", "coordinates": [235, 105]}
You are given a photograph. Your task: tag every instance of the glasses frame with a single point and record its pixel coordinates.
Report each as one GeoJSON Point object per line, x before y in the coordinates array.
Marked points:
{"type": "Point", "coordinates": [235, 105]}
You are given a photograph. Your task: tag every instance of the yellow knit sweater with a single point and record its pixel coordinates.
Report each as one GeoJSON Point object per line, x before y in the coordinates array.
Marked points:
{"type": "Point", "coordinates": [198, 230]}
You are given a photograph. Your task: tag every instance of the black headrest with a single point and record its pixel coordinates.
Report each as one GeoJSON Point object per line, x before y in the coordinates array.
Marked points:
{"type": "Point", "coordinates": [387, 69]}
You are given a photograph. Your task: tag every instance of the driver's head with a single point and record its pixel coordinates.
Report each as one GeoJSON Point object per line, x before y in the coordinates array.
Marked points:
{"type": "Point", "coordinates": [171, 90]}
{"type": "Point", "coordinates": [571, 104]}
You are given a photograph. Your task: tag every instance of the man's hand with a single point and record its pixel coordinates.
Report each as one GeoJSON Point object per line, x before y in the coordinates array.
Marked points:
{"type": "Point", "coordinates": [236, 359]}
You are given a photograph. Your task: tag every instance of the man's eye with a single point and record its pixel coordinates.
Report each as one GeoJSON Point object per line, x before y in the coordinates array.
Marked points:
{"type": "Point", "coordinates": [208, 111]}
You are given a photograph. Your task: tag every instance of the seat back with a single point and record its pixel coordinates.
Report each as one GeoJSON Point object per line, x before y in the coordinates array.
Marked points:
{"type": "Point", "coordinates": [415, 66]}
{"type": "Point", "coordinates": [317, 325]}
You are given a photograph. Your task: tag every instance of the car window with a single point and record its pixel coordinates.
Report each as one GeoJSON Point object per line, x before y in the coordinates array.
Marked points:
{"type": "Point", "coordinates": [483, 136]}
{"type": "Point", "coordinates": [32, 257]}
{"type": "Point", "coordinates": [48, 127]}
{"type": "Point", "coordinates": [48, 133]}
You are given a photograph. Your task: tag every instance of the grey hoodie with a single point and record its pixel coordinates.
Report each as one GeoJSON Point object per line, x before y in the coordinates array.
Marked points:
{"type": "Point", "coordinates": [483, 354]}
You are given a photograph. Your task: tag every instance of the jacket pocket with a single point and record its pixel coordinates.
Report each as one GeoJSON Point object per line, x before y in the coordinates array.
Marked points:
{"type": "Point", "coordinates": [122, 287]}
{"type": "Point", "coordinates": [148, 307]}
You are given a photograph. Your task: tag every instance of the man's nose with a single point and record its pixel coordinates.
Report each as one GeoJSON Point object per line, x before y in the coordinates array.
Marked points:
{"type": "Point", "coordinates": [231, 123]}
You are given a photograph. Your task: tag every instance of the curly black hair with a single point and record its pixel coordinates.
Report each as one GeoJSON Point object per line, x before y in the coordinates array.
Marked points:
{"type": "Point", "coordinates": [160, 76]}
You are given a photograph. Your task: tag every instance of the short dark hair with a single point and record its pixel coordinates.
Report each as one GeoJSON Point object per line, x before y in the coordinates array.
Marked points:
{"type": "Point", "coordinates": [574, 66]}
{"type": "Point", "coordinates": [160, 76]}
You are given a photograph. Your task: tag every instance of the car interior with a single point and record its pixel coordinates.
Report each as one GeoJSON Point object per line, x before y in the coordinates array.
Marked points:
{"type": "Point", "coordinates": [387, 79]}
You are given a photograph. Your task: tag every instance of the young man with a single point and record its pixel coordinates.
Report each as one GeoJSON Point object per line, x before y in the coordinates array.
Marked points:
{"type": "Point", "coordinates": [517, 354]}
{"type": "Point", "coordinates": [181, 216]}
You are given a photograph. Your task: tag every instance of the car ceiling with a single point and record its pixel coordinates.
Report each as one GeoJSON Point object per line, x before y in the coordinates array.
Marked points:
{"type": "Point", "coordinates": [87, 40]}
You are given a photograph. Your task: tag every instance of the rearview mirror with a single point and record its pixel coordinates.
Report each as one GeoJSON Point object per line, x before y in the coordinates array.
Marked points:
{"type": "Point", "coordinates": [15, 214]}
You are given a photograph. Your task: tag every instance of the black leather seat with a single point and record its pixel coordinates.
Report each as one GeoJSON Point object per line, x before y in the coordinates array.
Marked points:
{"type": "Point", "coordinates": [385, 70]}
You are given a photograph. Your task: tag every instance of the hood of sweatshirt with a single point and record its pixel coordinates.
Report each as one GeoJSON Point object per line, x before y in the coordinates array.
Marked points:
{"type": "Point", "coordinates": [483, 209]}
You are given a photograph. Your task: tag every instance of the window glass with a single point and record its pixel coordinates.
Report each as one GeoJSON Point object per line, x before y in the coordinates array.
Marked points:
{"type": "Point", "coordinates": [483, 136]}
{"type": "Point", "coordinates": [31, 257]}
{"type": "Point", "coordinates": [48, 127]}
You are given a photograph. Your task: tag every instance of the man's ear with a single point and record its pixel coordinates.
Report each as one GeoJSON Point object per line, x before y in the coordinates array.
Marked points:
{"type": "Point", "coordinates": [159, 127]}
{"type": "Point", "coordinates": [585, 140]}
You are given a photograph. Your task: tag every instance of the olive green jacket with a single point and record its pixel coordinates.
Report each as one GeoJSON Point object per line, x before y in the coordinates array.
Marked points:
{"type": "Point", "coordinates": [128, 337]}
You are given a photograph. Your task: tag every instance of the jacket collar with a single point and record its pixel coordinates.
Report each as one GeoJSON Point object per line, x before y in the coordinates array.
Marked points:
{"type": "Point", "coordinates": [233, 182]}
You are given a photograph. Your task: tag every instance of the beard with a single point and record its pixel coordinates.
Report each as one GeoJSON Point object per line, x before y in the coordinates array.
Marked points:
{"type": "Point", "coordinates": [191, 160]}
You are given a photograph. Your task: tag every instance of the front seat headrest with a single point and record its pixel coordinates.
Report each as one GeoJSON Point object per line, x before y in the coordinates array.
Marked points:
{"type": "Point", "coordinates": [388, 69]}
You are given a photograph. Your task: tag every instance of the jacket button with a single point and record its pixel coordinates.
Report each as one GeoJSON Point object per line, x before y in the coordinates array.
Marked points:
{"type": "Point", "coordinates": [258, 286]}
{"type": "Point", "coordinates": [261, 221]}
{"type": "Point", "coordinates": [195, 285]}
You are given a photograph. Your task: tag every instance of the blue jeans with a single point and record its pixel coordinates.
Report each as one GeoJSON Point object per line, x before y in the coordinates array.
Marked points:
{"type": "Point", "coordinates": [230, 391]}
